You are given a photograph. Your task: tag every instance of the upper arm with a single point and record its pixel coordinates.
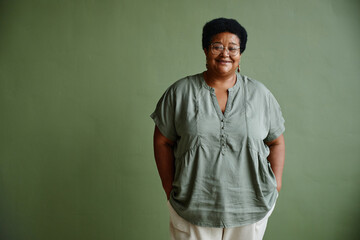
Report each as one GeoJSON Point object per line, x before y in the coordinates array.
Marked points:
{"type": "Point", "coordinates": [159, 138]}
{"type": "Point", "coordinates": [275, 119]}
{"type": "Point", "coordinates": [164, 115]}
{"type": "Point", "coordinates": [278, 141]}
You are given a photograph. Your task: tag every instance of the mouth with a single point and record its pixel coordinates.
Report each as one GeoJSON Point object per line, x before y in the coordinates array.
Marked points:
{"type": "Point", "coordinates": [224, 61]}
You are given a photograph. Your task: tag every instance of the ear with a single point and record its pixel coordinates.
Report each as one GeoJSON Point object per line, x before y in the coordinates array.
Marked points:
{"type": "Point", "coordinates": [206, 51]}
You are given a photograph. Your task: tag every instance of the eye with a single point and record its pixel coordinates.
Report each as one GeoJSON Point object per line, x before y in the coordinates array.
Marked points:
{"type": "Point", "coordinates": [218, 47]}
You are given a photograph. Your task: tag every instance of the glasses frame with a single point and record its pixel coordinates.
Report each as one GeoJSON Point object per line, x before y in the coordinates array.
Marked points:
{"type": "Point", "coordinates": [225, 48]}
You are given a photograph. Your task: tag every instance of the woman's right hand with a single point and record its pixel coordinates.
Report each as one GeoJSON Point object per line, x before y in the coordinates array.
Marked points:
{"type": "Point", "coordinates": [164, 157]}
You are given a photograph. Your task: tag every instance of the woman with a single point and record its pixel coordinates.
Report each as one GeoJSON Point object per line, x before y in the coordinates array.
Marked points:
{"type": "Point", "coordinates": [219, 144]}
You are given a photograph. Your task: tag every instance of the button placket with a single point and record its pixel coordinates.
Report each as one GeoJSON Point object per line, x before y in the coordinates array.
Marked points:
{"type": "Point", "coordinates": [222, 137]}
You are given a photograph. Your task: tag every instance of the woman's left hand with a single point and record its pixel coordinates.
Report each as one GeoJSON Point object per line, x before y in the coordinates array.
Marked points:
{"type": "Point", "coordinates": [277, 158]}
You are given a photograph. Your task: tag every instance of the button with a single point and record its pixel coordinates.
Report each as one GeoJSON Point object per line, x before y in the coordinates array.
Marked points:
{"type": "Point", "coordinates": [222, 127]}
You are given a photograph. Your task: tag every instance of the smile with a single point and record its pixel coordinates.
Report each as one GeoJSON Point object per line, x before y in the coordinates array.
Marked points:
{"type": "Point", "coordinates": [223, 61]}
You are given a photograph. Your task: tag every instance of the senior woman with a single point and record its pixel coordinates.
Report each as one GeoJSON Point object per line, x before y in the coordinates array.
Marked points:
{"type": "Point", "coordinates": [219, 145]}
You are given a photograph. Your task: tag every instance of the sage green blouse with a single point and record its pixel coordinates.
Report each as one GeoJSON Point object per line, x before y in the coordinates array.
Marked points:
{"type": "Point", "coordinates": [222, 176]}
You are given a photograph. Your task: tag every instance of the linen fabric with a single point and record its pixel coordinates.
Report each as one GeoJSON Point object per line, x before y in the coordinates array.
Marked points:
{"type": "Point", "coordinates": [180, 229]}
{"type": "Point", "coordinates": [222, 176]}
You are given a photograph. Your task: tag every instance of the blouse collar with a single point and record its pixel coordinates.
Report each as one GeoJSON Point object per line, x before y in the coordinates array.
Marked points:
{"type": "Point", "coordinates": [233, 88]}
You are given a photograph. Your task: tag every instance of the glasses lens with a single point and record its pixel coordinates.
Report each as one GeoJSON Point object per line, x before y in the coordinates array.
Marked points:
{"type": "Point", "coordinates": [233, 51]}
{"type": "Point", "coordinates": [218, 48]}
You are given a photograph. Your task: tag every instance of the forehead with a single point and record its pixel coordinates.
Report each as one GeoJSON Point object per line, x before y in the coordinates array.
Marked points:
{"type": "Point", "coordinates": [226, 37]}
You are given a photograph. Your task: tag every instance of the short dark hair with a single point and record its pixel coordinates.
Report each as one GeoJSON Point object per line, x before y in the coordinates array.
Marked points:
{"type": "Point", "coordinates": [220, 25]}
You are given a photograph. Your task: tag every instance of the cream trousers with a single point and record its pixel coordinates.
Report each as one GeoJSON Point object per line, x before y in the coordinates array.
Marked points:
{"type": "Point", "coordinates": [180, 229]}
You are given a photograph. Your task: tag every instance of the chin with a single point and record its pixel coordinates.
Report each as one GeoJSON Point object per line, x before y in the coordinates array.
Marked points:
{"type": "Point", "coordinates": [224, 71]}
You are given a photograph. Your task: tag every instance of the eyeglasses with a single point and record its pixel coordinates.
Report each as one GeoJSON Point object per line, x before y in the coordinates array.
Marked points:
{"type": "Point", "coordinates": [217, 48]}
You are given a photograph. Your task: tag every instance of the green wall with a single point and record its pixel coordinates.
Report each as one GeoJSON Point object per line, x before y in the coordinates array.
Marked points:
{"type": "Point", "coordinates": [79, 79]}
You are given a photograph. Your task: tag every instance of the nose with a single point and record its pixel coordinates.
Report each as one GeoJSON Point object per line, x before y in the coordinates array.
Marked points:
{"type": "Point", "coordinates": [225, 52]}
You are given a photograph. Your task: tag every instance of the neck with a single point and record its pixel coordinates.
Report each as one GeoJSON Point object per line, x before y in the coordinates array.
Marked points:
{"type": "Point", "coordinates": [220, 81]}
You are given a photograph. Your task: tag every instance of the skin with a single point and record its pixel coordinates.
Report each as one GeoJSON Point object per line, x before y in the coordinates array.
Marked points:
{"type": "Point", "coordinates": [221, 68]}
{"type": "Point", "coordinates": [220, 75]}
{"type": "Point", "coordinates": [277, 158]}
{"type": "Point", "coordinates": [165, 160]}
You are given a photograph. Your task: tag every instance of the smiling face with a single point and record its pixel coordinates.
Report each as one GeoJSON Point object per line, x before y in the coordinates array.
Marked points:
{"type": "Point", "coordinates": [223, 64]}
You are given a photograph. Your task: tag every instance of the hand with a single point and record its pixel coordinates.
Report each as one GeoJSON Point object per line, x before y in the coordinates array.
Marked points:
{"type": "Point", "coordinates": [278, 188]}
{"type": "Point", "coordinates": [168, 192]}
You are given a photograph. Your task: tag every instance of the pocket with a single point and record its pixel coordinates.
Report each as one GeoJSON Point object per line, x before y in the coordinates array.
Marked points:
{"type": "Point", "coordinates": [178, 222]}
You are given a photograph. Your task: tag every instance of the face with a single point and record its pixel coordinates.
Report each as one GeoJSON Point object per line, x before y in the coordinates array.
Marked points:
{"type": "Point", "coordinates": [223, 64]}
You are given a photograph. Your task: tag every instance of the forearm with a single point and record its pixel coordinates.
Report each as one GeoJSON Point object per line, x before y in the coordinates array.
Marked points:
{"type": "Point", "coordinates": [164, 157]}
{"type": "Point", "coordinates": [277, 159]}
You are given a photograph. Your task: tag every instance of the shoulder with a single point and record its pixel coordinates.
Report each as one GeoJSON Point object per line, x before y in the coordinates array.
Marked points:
{"type": "Point", "coordinates": [187, 84]}
{"type": "Point", "coordinates": [255, 86]}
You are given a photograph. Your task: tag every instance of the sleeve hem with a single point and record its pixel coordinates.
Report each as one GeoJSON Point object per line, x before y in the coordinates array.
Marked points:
{"type": "Point", "coordinates": [162, 128]}
{"type": "Point", "coordinates": [275, 134]}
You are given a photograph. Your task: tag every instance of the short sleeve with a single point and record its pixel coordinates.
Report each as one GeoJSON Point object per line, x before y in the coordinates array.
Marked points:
{"type": "Point", "coordinates": [164, 115]}
{"type": "Point", "coordinates": [276, 120]}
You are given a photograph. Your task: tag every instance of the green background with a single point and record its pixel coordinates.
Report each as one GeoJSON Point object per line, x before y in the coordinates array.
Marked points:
{"type": "Point", "coordinates": [79, 79]}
